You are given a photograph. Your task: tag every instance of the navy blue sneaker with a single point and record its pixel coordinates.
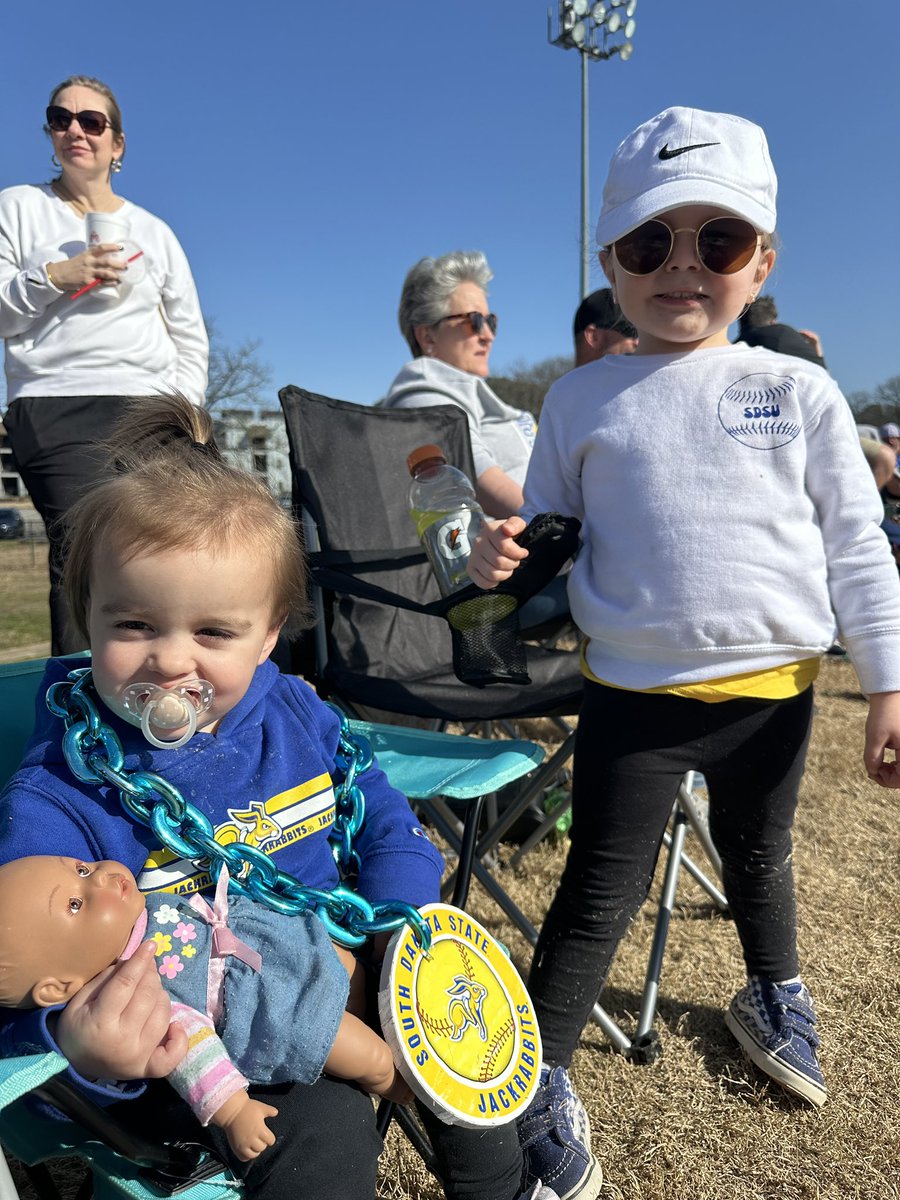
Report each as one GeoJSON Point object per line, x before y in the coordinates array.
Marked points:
{"type": "Point", "coordinates": [555, 1136]}
{"type": "Point", "coordinates": [775, 1025]}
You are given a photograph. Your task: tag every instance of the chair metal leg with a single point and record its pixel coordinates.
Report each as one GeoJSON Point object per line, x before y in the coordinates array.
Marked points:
{"type": "Point", "coordinates": [644, 1047]}
{"type": "Point", "coordinates": [388, 1111]}
{"type": "Point", "coordinates": [548, 823]}
{"type": "Point", "coordinates": [8, 1190]}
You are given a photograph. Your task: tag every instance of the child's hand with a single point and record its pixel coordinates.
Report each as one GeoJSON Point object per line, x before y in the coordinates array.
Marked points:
{"type": "Point", "coordinates": [495, 555]}
{"type": "Point", "coordinates": [244, 1122]}
{"type": "Point", "coordinates": [883, 733]}
{"type": "Point", "coordinates": [118, 1025]}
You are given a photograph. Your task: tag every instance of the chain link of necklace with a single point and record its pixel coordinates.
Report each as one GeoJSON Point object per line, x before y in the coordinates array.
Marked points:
{"type": "Point", "coordinates": [93, 753]}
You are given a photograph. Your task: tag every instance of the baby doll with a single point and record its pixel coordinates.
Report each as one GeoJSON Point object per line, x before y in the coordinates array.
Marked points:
{"type": "Point", "coordinates": [63, 920]}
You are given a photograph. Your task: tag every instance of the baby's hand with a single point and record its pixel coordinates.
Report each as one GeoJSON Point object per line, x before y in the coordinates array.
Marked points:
{"type": "Point", "coordinates": [244, 1122]}
{"type": "Point", "coordinates": [118, 1025]}
{"type": "Point", "coordinates": [495, 555]}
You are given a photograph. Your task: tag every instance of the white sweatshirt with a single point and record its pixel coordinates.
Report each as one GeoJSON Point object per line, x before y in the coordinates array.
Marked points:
{"type": "Point", "coordinates": [139, 338]}
{"type": "Point", "coordinates": [501, 436]}
{"type": "Point", "coordinates": [728, 514]}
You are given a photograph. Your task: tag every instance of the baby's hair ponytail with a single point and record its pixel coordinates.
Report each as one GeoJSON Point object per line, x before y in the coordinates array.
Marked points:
{"type": "Point", "coordinates": [166, 426]}
{"type": "Point", "coordinates": [170, 489]}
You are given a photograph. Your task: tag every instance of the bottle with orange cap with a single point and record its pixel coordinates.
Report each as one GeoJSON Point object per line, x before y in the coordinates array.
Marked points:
{"type": "Point", "coordinates": [448, 517]}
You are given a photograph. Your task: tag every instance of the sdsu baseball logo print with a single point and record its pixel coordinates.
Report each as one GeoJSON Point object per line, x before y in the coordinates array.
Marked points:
{"type": "Point", "coordinates": [761, 411]}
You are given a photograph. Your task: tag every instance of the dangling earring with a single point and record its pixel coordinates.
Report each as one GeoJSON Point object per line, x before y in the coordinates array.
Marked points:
{"type": "Point", "coordinates": [56, 161]}
{"type": "Point", "coordinates": [116, 165]}
{"type": "Point", "coordinates": [746, 307]}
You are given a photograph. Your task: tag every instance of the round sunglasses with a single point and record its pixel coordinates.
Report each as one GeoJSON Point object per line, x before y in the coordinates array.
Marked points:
{"type": "Point", "coordinates": [723, 245]}
{"type": "Point", "coordinates": [477, 320]}
{"type": "Point", "coordinates": [92, 122]}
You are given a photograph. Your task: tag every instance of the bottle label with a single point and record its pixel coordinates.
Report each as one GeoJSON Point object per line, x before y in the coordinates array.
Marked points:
{"type": "Point", "coordinates": [451, 537]}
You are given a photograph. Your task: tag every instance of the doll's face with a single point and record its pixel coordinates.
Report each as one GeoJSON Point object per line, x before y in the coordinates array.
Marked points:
{"type": "Point", "coordinates": [62, 920]}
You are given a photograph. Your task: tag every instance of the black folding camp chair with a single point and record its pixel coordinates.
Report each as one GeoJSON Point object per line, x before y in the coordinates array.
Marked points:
{"type": "Point", "coordinates": [350, 486]}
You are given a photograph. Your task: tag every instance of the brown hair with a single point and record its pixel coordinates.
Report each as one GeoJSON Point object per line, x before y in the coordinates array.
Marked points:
{"type": "Point", "coordinates": [113, 112]}
{"type": "Point", "coordinates": [172, 490]}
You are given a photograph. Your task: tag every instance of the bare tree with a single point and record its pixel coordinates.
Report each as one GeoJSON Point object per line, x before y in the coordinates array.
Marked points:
{"type": "Point", "coordinates": [524, 385]}
{"type": "Point", "coordinates": [888, 395]}
{"type": "Point", "coordinates": [237, 377]}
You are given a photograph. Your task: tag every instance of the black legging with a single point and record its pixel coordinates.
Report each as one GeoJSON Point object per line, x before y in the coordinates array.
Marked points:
{"type": "Point", "coordinates": [52, 439]}
{"type": "Point", "coordinates": [327, 1144]}
{"type": "Point", "coordinates": [631, 752]}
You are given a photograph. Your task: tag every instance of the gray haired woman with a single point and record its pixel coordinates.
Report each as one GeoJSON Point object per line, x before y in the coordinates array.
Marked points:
{"type": "Point", "coordinates": [444, 317]}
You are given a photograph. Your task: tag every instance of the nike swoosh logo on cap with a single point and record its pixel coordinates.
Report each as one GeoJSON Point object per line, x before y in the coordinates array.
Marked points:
{"type": "Point", "coordinates": [667, 153]}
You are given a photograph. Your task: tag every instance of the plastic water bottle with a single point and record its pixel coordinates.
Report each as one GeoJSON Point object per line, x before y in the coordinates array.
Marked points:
{"type": "Point", "coordinates": [448, 517]}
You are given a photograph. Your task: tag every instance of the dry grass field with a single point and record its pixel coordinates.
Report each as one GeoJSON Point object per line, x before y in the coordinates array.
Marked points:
{"type": "Point", "coordinates": [24, 615]}
{"type": "Point", "coordinates": [701, 1123]}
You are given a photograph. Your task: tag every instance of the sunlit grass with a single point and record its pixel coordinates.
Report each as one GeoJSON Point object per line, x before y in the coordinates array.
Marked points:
{"type": "Point", "coordinates": [24, 584]}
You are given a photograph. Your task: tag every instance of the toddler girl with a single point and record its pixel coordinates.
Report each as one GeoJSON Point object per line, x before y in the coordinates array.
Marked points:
{"type": "Point", "coordinates": [730, 529]}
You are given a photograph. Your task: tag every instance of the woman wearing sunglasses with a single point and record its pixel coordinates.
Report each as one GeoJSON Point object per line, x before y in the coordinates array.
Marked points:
{"type": "Point", "coordinates": [445, 319]}
{"type": "Point", "coordinates": [704, 616]}
{"type": "Point", "coordinates": [83, 327]}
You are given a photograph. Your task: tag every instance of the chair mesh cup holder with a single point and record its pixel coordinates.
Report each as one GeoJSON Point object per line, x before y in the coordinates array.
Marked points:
{"type": "Point", "coordinates": [484, 625]}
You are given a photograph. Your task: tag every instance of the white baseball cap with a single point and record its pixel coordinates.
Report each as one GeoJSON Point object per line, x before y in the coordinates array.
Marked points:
{"type": "Point", "coordinates": [688, 156]}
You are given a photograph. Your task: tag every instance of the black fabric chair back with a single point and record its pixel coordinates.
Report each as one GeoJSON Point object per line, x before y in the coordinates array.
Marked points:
{"type": "Point", "coordinates": [348, 464]}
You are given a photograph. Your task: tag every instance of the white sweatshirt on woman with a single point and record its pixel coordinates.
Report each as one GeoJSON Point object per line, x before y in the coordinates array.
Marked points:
{"type": "Point", "coordinates": [730, 520]}
{"type": "Point", "coordinates": [141, 337]}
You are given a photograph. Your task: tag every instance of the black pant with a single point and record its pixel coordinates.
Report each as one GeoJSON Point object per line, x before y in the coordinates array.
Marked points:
{"type": "Point", "coordinates": [52, 439]}
{"type": "Point", "coordinates": [631, 751]}
{"type": "Point", "coordinates": [327, 1144]}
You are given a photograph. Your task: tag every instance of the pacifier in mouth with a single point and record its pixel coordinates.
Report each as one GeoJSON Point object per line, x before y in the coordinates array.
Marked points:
{"type": "Point", "coordinates": [148, 705]}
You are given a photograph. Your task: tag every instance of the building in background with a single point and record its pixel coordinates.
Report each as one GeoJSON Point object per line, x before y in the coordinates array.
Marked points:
{"type": "Point", "coordinates": [11, 485]}
{"type": "Point", "coordinates": [256, 441]}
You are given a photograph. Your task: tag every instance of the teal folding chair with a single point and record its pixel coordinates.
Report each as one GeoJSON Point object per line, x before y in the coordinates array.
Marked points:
{"type": "Point", "coordinates": [422, 764]}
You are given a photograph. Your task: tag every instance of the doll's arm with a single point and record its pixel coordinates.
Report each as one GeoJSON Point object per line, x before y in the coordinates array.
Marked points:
{"type": "Point", "coordinates": [359, 1053]}
{"type": "Point", "coordinates": [244, 1122]}
{"type": "Point", "coordinates": [215, 1089]}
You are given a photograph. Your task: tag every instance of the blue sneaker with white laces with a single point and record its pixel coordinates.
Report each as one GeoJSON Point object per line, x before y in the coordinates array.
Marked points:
{"type": "Point", "coordinates": [775, 1025]}
{"type": "Point", "coordinates": [555, 1136]}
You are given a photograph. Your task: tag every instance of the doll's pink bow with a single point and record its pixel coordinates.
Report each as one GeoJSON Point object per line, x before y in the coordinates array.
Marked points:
{"type": "Point", "coordinates": [224, 942]}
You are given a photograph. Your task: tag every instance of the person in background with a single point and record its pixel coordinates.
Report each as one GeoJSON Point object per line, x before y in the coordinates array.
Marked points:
{"type": "Point", "coordinates": [445, 319]}
{"type": "Point", "coordinates": [72, 356]}
{"type": "Point", "coordinates": [759, 326]}
{"type": "Point", "coordinates": [600, 328]}
{"type": "Point", "coordinates": [890, 435]}
{"type": "Point", "coordinates": [882, 459]}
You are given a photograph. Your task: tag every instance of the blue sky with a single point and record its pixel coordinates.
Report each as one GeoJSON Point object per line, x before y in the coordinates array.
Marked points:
{"type": "Point", "coordinates": [306, 154]}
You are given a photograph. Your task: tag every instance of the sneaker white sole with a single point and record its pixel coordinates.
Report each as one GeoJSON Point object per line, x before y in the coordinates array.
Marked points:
{"type": "Point", "coordinates": [793, 1081]}
{"type": "Point", "coordinates": [590, 1185]}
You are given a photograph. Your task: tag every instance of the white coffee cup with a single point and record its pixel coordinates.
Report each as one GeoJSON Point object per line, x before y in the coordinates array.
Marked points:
{"type": "Point", "coordinates": [111, 228]}
{"type": "Point", "coordinates": [103, 228]}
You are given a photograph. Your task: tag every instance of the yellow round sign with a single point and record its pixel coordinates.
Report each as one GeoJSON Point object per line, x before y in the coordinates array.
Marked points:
{"type": "Point", "coordinates": [459, 1021]}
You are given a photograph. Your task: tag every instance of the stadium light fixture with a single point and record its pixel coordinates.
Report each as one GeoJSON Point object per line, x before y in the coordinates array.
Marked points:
{"type": "Point", "coordinates": [589, 29]}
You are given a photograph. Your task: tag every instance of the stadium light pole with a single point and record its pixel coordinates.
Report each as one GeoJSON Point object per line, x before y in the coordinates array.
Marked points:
{"type": "Point", "coordinates": [587, 28]}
